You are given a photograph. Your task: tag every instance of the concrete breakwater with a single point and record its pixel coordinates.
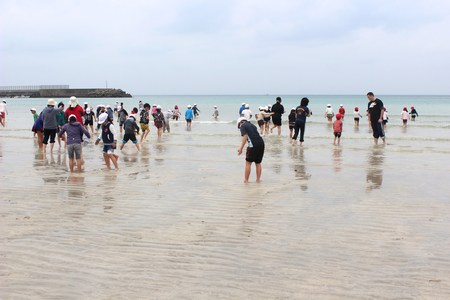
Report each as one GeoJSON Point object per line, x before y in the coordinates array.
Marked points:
{"type": "Point", "coordinates": [62, 93]}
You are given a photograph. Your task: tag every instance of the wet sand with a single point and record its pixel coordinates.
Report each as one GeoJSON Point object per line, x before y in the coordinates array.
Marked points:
{"type": "Point", "coordinates": [176, 222]}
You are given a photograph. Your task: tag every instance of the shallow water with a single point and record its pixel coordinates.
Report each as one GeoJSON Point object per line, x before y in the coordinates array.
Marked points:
{"type": "Point", "coordinates": [351, 222]}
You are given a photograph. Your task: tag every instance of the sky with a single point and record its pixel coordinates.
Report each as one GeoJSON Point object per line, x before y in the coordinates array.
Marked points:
{"type": "Point", "coordinates": [201, 47]}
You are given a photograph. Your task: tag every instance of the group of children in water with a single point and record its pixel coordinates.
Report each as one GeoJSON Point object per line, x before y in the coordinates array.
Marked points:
{"type": "Point", "coordinates": [71, 124]}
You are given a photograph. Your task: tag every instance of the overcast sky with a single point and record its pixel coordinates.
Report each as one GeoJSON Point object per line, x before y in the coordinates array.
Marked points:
{"type": "Point", "coordinates": [229, 47]}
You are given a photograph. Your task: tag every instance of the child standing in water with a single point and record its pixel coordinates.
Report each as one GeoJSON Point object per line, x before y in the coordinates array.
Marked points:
{"type": "Point", "coordinates": [405, 116]}
{"type": "Point", "coordinates": [413, 113]}
{"type": "Point", "coordinates": [337, 128]}
{"type": "Point", "coordinates": [109, 142]}
{"type": "Point", "coordinates": [292, 116]}
{"type": "Point", "coordinates": [356, 116]}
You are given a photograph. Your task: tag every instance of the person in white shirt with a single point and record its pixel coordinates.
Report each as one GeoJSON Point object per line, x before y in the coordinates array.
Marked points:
{"type": "Point", "coordinates": [3, 113]}
{"type": "Point", "coordinates": [405, 116]}
{"type": "Point", "coordinates": [329, 113]}
{"type": "Point", "coordinates": [247, 113]}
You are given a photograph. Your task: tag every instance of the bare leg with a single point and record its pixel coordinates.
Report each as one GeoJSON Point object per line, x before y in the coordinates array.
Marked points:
{"type": "Point", "coordinates": [248, 166]}
{"type": "Point", "coordinates": [138, 147]}
{"type": "Point", "coordinates": [107, 162]}
{"type": "Point", "coordinates": [71, 165]}
{"type": "Point", "coordinates": [258, 172]}
{"type": "Point", "coordinates": [78, 165]}
{"type": "Point", "coordinates": [279, 130]}
{"type": "Point", "coordinates": [113, 158]}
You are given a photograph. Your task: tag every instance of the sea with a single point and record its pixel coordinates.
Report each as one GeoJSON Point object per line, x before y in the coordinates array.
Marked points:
{"type": "Point", "coordinates": [176, 221]}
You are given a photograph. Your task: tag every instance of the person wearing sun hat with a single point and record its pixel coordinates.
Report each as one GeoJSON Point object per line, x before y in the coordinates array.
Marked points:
{"type": "Point", "coordinates": [158, 119]}
{"type": "Point", "coordinates": [188, 115]}
{"type": "Point", "coordinates": [75, 132]}
{"type": "Point", "coordinates": [109, 141]}
{"type": "Point", "coordinates": [74, 109]}
{"type": "Point", "coordinates": [50, 123]}
{"type": "Point", "coordinates": [255, 149]}
{"type": "Point", "coordinates": [130, 127]}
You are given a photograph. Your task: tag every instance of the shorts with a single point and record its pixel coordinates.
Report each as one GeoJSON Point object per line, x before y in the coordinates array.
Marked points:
{"type": "Point", "coordinates": [121, 123]}
{"type": "Point", "coordinates": [108, 149]}
{"type": "Point", "coordinates": [255, 154]}
{"type": "Point", "coordinates": [267, 120]}
{"type": "Point", "coordinates": [88, 122]}
{"type": "Point", "coordinates": [405, 121]}
{"type": "Point", "coordinates": [188, 120]}
{"type": "Point", "coordinates": [144, 127]}
{"type": "Point", "coordinates": [129, 136]}
{"type": "Point", "coordinates": [291, 125]}
{"type": "Point", "coordinates": [2, 114]}
{"type": "Point", "coordinates": [276, 120]}
{"type": "Point", "coordinates": [356, 119]}
{"type": "Point", "coordinates": [74, 150]}
{"type": "Point", "coordinates": [158, 124]}
{"type": "Point", "coordinates": [377, 129]}
{"type": "Point", "coordinates": [337, 134]}
{"type": "Point", "coordinates": [260, 122]}
{"type": "Point", "coordinates": [329, 116]}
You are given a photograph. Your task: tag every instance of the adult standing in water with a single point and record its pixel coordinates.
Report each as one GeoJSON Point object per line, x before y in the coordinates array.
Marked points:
{"type": "Point", "coordinates": [196, 111]}
{"type": "Point", "coordinates": [50, 123]}
{"type": "Point", "coordinates": [74, 109]}
{"type": "Point", "coordinates": [278, 111]}
{"type": "Point", "coordinates": [375, 110]}
{"type": "Point", "coordinates": [255, 149]}
{"type": "Point", "coordinates": [302, 112]}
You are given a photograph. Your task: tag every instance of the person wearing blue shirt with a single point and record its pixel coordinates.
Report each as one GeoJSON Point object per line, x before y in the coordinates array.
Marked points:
{"type": "Point", "coordinates": [189, 115]}
{"type": "Point", "coordinates": [241, 109]}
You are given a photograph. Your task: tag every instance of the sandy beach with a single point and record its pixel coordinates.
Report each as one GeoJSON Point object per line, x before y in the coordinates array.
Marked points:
{"type": "Point", "coordinates": [176, 222]}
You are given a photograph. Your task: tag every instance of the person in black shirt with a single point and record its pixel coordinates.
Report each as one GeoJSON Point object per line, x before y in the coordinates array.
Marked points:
{"type": "Point", "coordinates": [375, 109]}
{"type": "Point", "coordinates": [278, 111]}
{"type": "Point", "coordinates": [255, 149]}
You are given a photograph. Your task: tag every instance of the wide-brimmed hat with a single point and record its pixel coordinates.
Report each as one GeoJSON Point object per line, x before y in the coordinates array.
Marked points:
{"type": "Point", "coordinates": [73, 101]}
{"type": "Point", "coordinates": [102, 118]}
{"type": "Point", "coordinates": [241, 119]}
{"type": "Point", "coordinates": [51, 102]}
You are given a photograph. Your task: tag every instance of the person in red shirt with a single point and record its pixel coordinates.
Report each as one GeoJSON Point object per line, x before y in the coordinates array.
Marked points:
{"type": "Point", "coordinates": [74, 109]}
{"type": "Point", "coordinates": [337, 129]}
{"type": "Point", "coordinates": [342, 111]}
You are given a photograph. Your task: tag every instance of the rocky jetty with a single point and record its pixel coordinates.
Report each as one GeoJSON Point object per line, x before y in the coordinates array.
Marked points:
{"type": "Point", "coordinates": [65, 93]}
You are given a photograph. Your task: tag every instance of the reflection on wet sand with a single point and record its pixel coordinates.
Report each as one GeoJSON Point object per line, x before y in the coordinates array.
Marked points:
{"type": "Point", "coordinates": [299, 167]}
{"type": "Point", "coordinates": [337, 159]}
{"type": "Point", "coordinates": [374, 178]}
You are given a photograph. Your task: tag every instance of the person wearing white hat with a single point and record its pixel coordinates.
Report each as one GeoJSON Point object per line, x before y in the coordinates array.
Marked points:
{"type": "Point", "coordinates": [89, 119]}
{"type": "Point", "coordinates": [329, 113]}
{"type": "Point", "coordinates": [167, 116]}
{"type": "Point", "coordinates": [247, 113]}
{"type": "Point", "coordinates": [74, 109]}
{"type": "Point", "coordinates": [50, 123]}
{"type": "Point", "coordinates": [158, 119]}
{"type": "Point", "coordinates": [188, 116]}
{"type": "Point", "coordinates": [196, 111]}
{"type": "Point", "coordinates": [342, 111]}
{"type": "Point", "coordinates": [255, 149]}
{"type": "Point", "coordinates": [215, 113]}
{"type": "Point", "coordinates": [75, 132]}
{"type": "Point", "coordinates": [107, 135]}
{"type": "Point", "coordinates": [130, 127]}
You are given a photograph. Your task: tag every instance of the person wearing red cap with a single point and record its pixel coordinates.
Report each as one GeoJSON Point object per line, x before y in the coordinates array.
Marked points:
{"type": "Point", "coordinates": [337, 128]}
{"type": "Point", "coordinates": [405, 116]}
{"type": "Point", "coordinates": [356, 116]}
